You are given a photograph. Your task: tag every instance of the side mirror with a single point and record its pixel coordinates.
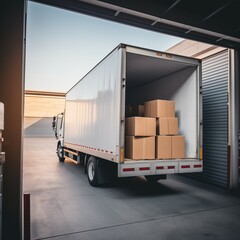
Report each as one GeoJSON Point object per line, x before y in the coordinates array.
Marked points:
{"type": "Point", "coordinates": [54, 123]}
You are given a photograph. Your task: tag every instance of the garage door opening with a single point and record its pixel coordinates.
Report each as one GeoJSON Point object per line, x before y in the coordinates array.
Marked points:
{"type": "Point", "coordinates": [38, 139]}
{"type": "Point", "coordinates": [13, 43]}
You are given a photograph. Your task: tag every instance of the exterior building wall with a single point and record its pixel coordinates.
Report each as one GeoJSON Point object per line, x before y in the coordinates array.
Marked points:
{"type": "Point", "coordinates": [39, 109]}
{"type": "Point", "coordinates": [195, 49]}
{"type": "Point", "coordinates": [43, 104]}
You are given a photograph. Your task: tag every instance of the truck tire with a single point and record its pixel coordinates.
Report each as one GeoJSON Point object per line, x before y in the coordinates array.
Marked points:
{"type": "Point", "coordinates": [154, 178]}
{"type": "Point", "coordinates": [60, 153]}
{"type": "Point", "coordinates": [92, 171]}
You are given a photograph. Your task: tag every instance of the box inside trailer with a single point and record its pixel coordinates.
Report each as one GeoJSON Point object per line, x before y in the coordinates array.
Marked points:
{"type": "Point", "coordinates": [149, 78]}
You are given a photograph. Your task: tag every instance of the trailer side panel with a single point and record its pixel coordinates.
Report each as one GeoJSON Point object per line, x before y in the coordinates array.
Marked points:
{"type": "Point", "coordinates": [92, 115]}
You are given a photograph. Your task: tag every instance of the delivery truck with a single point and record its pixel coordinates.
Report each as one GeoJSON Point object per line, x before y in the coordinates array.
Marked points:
{"type": "Point", "coordinates": [109, 112]}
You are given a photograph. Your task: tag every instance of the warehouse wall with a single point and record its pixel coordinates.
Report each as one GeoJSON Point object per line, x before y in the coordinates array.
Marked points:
{"type": "Point", "coordinates": [40, 107]}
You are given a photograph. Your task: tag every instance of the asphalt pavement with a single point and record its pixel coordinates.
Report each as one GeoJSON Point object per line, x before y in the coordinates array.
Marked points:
{"type": "Point", "coordinates": [65, 206]}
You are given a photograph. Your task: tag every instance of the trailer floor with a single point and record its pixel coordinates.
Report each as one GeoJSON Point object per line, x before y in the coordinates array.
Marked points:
{"type": "Point", "coordinates": [65, 206]}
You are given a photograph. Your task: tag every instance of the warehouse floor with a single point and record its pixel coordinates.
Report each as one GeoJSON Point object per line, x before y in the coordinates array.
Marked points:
{"type": "Point", "coordinates": [65, 206]}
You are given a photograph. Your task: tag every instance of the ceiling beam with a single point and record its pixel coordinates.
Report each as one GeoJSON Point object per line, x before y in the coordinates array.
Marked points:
{"type": "Point", "coordinates": [114, 13]}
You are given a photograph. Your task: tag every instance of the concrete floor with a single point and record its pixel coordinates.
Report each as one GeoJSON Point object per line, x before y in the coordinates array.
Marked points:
{"type": "Point", "coordinates": [65, 206]}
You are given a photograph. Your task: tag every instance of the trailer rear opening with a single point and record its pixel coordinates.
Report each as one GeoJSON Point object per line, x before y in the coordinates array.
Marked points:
{"type": "Point", "coordinates": [94, 127]}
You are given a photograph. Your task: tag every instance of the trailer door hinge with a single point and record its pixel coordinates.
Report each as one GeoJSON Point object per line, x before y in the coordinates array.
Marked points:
{"type": "Point", "coordinates": [123, 82]}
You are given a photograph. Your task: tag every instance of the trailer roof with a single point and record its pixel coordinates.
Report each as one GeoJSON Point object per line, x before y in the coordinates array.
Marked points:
{"type": "Point", "coordinates": [141, 60]}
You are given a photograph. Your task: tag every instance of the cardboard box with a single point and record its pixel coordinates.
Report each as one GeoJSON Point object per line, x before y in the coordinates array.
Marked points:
{"type": "Point", "coordinates": [167, 126]}
{"type": "Point", "coordinates": [140, 148]}
{"type": "Point", "coordinates": [138, 110]}
{"type": "Point", "coordinates": [170, 108]}
{"type": "Point", "coordinates": [159, 109]}
{"type": "Point", "coordinates": [163, 147]}
{"type": "Point", "coordinates": [147, 109]}
{"type": "Point", "coordinates": [149, 148]}
{"type": "Point", "coordinates": [140, 126]}
{"type": "Point", "coordinates": [178, 146]}
{"type": "Point", "coordinates": [155, 108]}
{"type": "Point", "coordinates": [173, 126]}
{"type": "Point", "coordinates": [162, 126]}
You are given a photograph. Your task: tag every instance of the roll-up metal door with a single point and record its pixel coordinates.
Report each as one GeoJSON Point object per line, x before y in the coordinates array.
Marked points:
{"type": "Point", "coordinates": [215, 73]}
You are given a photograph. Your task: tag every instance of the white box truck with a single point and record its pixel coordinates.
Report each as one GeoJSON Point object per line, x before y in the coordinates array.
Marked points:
{"type": "Point", "coordinates": [92, 128]}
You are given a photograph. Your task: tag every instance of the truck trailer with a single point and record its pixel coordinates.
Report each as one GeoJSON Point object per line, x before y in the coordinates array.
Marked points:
{"type": "Point", "coordinates": [92, 128]}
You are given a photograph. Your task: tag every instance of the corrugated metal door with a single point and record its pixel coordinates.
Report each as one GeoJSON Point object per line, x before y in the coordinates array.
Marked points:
{"type": "Point", "coordinates": [215, 74]}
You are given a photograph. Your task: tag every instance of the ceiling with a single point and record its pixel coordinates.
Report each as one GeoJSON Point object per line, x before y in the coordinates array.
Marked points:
{"type": "Point", "coordinates": [142, 69]}
{"type": "Point", "coordinates": [211, 21]}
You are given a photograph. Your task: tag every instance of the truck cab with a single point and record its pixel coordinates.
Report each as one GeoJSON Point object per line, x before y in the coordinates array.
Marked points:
{"type": "Point", "coordinates": [58, 128]}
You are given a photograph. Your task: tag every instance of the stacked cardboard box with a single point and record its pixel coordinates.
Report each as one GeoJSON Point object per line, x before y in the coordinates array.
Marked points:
{"type": "Point", "coordinates": [140, 138]}
{"type": "Point", "coordinates": [140, 126]}
{"type": "Point", "coordinates": [139, 148]}
{"type": "Point", "coordinates": [167, 126]}
{"type": "Point", "coordinates": [154, 136]}
{"type": "Point", "coordinates": [159, 109]}
{"type": "Point", "coordinates": [169, 145]}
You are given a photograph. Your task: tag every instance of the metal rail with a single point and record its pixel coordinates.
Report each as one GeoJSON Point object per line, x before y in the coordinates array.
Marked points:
{"type": "Point", "coordinates": [2, 160]}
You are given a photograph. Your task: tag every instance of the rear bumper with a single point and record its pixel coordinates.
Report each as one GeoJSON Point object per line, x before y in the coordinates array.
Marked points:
{"type": "Point", "coordinates": [156, 167]}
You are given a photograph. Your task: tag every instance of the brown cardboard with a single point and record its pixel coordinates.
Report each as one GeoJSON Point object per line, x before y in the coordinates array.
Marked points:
{"type": "Point", "coordinates": [167, 126]}
{"type": "Point", "coordinates": [149, 148]}
{"type": "Point", "coordinates": [147, 109]}
{"type": "Point", "coordinates": [140, 126]}
{"type": "Point", "coordinates": [178, 146]}
{"type": "Point", "coordinates": [163, 147]}
{"type": "Point", "coordinates": [162, 126]}
{"type": "Point", "coordinates": [170, 108]}
{"type": "Point", "coordinates": [173, 126]}
{"type": "Point", "coordinates": [139, 148]}
{"type": "Point", "coordinates": [135, 126]}
{"type": "Point", "coordinates": [150, 126]}
{"type": "Point", "coordinates": [133, 147]}
{"type": "Point", "coordinates": [155, 108]}
{"type": "Point", "coordinates": [138, 110]}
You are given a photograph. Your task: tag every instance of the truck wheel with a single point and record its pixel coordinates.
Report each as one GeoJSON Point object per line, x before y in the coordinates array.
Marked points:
{"type": "Point", "coordinates": [155, 178]}
{"type": "Point", "coordinates": [60, 153]}
{"type": "Point", "coordinates": [92, 171]}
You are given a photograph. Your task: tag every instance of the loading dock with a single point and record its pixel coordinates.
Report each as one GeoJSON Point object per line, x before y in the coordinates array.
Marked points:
{"type": "Point", "coordinates": [12, 57]}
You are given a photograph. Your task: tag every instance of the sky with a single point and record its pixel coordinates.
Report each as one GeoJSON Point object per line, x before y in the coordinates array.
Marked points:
{"type": "Point", "coordinates": [62, 46]}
